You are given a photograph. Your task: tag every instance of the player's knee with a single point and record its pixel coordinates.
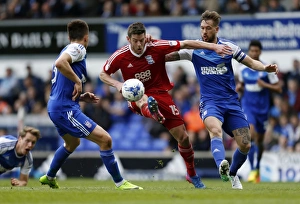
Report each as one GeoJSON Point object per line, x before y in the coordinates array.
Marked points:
{"type": "Point", "coordinates": [108, 140]}
{"type": "Point", "coordinates": [215, 132]}
{"type": "Point", "coordinates": [104, 142]}
{"type": "Point", "coordinates": [245, 147]}
{"type": "Point", "coordinates": [71, 146]}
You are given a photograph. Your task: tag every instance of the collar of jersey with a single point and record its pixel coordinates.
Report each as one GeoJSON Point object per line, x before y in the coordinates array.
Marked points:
{"type": "Point", "coordinates": [145, 47]}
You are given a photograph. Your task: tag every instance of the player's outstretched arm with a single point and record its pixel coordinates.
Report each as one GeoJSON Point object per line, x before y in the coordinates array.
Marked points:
{"type": "Point", "coordinates": [22, 181]}
{"type": "Point", "coordinates": [196, 44]}
{"type": "Point", "coordinates": [257, 65]}
{"type": "Point", "coordinates": [110, 81]}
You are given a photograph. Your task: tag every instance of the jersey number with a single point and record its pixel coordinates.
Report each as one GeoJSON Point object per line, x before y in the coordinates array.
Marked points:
{"type": "Point", "coordinates": [174, 109]}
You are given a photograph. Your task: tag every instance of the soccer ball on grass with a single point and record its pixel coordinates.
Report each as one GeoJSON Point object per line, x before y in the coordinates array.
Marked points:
{"type": "Point", "coordinates": [133, 90]}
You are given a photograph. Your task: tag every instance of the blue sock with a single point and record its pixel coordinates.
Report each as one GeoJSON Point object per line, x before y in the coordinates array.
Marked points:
{"type": "Point", "coordinates": [111, 165]}
{"type": "Point", "coordinates": [58, 160]}
{"type": "Point", "coordinates": [217, 150]}
{"type": "Point", "coordinates": [238, 160]}
{"type": "Point", "coordinates": [251, 155]}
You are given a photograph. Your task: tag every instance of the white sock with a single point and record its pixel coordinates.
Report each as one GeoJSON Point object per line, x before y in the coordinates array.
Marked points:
{"type": "Point", "coordinates": [120, 183]}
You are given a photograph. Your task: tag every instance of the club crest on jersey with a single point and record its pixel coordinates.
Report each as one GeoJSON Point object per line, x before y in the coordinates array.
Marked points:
{"type": "Point", "coordinates": [88, 124]}
{"type": "Point", "coordinates": [149, 59]}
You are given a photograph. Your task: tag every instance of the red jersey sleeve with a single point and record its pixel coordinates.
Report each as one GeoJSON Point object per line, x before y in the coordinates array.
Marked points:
{"type": "Point", "coordinates": [112, 64]}
{"type": "Point", "coordinates": [167, 46]}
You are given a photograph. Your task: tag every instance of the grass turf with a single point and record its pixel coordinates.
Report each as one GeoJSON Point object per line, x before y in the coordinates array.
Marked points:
{"type": "Point", "coordinates": [88, 191]}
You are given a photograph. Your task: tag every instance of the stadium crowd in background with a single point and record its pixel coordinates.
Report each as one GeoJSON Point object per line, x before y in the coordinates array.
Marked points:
{"type": "Point", "coordinates": [36, 9]}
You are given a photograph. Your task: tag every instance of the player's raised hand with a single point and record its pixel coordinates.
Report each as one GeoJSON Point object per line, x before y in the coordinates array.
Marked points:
{"type": "Point", "coordinates": [77, 90]}
{"type": "Point", "coordinates": [223, 49]}
{"type": "Point", "coordinates": [272, 68]}
{"type": "Point", "coordinates": [89, 97]}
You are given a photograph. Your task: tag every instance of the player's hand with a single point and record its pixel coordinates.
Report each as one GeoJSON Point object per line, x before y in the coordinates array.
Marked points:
{"type": "Point", "coordinates": [272, 68]}
{"type": "Point", "coordinates": [16, 182]}
{"type": "Point", "coordinates": [223, 50]}
{"type": "Point", "coordinates": [261, 83]}
{"type": "Point", "coordinates": [89, 97]}
{"type": "Point", "coordinates": [119, 87]}
{"type": "Point", "coordinates": [149, 38]}
{"type": "Point", "coordinates": [77, 91]}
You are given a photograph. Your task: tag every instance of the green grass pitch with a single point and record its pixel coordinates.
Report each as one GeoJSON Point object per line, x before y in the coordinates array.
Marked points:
{"type": "Point", "coordinates": [89, 191]}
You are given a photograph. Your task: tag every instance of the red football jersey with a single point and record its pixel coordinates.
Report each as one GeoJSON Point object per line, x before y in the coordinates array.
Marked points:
{"type": "Point", "coordinates": [149, 67]}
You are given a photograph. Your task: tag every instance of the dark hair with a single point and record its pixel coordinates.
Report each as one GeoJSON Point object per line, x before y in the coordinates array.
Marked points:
{"type": "Point", "coordinates": [211, 15]}
{"type": "Point", "coordinates": [31, 130]}
{"type": "Point", "coordinates": [255, 43]}
{"type": "Point", "coordinates": [136, 28]}
{"type": "Point", "coordinates": [77, 29]}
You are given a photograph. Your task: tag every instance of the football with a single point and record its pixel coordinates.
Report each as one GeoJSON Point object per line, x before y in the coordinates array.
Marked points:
{"type": "Point", "coordinates": [133, 90]}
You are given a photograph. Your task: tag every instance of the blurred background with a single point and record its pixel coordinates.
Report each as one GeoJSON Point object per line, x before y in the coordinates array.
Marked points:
{"type": "Point", "coordinates": [32, 33]}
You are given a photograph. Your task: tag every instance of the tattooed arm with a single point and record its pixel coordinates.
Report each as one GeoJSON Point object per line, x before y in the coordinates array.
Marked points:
{"type": "Point", "coordinates": [173, 56]}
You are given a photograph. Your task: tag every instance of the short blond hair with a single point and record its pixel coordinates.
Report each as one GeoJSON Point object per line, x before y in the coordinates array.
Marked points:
{"type": "Point", "coordinates": [31, 130]}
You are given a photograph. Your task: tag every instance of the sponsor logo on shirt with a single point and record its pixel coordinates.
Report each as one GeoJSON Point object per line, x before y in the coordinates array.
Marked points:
{"type": "Point", "coordinates": [143, 76]}
{"type": "Point", "coordinates": [130, 65]}
{"type": "Point", "coordinates": [219, 70]}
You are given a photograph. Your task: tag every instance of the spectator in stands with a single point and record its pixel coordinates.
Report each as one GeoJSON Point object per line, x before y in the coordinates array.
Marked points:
{"type": "Point", "coordinates": [9, 86]}
{"type": "Point", "coordinates": [293, 131]}
{"type": "Point", "coordinates": [177, 9]}
{"type": "Point", "coordinates": [297, 147]}
{"type": "Point", "coordinates": [108, 9]}
{"type": "Point", "coordinates": [196, 128]}
{"type": "Point", "coordinates": [36, 82]}
{"type": "Point", "coordinates": [192, 9]}
{"type": "Point", "coordinates": [232, 7]}
{"type": "Point", "coordinates": [275, 6]}
{"type": "Point", "coordinates": [181, 99]}
{"type": "Point", "coordinates": [248, 6]}
{"type": "Point", "coordinates": [294, 72]}
{"type": "Point", "coordinates": [141, 9]}
{"type": "Point", "coordinates": [71, 8]}
{"type": "Point", "coordinates": [119, 109]}
{"type": "Point", "coordinates": [293, 94]}
{"type": "Point", "coordinates": [296, 5]}
{"type": "Point", "coordinates": [155, 8]}
{"type": "Point", "coordinates": [5, 108]}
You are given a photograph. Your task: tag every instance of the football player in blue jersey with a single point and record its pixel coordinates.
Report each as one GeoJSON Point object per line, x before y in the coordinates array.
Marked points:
{"type": "Point", "coordinates": [219, 104]}
{"type": "Point", "coordinates": [16, 152]}
{"type": "Point", "coordinates": [68, 77]}
{"type": "Point", "coordinates": [255, 88]}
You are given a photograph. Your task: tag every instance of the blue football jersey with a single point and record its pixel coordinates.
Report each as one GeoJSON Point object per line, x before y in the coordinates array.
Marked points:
{"type": "Point", "coordinates": [255, 98]}
{"type": "Point", "coordinates": [9, 158]}
{"type": "Point", "coordinates": [215, 72]}
{"type": "Point", "coordinates": [62, 87]}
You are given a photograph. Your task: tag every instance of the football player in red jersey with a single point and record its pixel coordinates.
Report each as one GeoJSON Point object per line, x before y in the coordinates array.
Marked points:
{"type": "Point", "coordinates": [146, 61]}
